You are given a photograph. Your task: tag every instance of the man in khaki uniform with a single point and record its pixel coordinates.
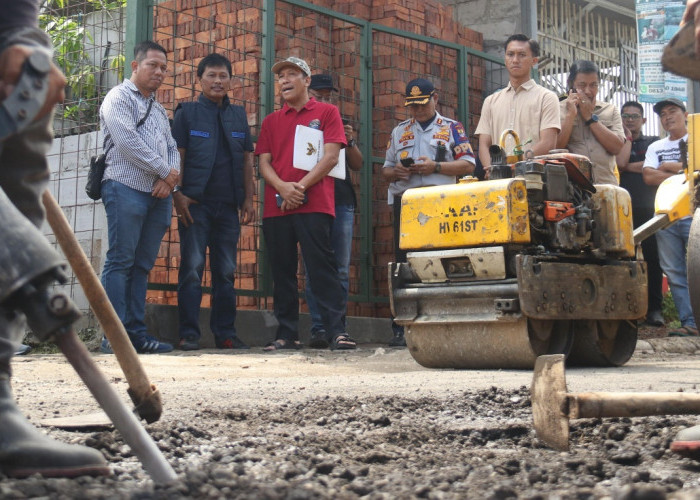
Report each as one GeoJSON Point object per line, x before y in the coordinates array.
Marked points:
{"type": "Point", "coordinates": [589, 127]}
{"type": "Point", "coordinates": [524, 106]}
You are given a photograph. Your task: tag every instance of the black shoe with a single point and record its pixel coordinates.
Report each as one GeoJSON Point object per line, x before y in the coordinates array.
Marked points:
{"type": "Point", "coordinates": [655, 318]}
{"type": "Point", "coordinates": [399, 339]}
{"type": "Point", "coordinates": [319, 340]}
{"type": "Point", "coordinates": [189, 345]}
{"type": "Point", "coordinates": [25, 451]}
{"type": "Point", "coordinates": [232, 343]}
{"type": "Point", "coordinates": [23, 349]}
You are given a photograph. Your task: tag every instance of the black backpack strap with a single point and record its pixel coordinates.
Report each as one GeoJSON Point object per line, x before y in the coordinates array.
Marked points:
{"type": "Point", "coordinates": [141, 122]}
{"type": "Point", "coordinates": [148, 112]}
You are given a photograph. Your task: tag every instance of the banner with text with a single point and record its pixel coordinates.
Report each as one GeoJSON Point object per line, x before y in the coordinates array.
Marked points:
{"type": "Point", "coordinates": [657, 22]}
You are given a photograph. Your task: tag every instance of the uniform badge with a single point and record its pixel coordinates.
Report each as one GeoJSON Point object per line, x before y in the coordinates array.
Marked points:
{"type": "Point", "coordinates": [415, 90]}
{"type": "Point", "coordinates": [404, 154]}
{"type": "Point", "coordinates": [316, 123]}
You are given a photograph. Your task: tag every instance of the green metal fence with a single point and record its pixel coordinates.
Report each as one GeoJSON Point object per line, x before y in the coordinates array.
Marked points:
{"type": "Point", "coordinates": [370, 62]}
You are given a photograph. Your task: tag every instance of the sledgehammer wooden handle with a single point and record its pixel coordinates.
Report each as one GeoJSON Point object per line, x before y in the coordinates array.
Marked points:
{"type": "Point", "coordinates": [144, 395]}
{"type": "Point", "coordinates": [631, 404]}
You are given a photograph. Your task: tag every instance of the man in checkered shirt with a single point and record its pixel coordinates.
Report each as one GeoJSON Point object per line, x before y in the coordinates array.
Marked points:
{"type": "Point", "coordinates": [142, 169]}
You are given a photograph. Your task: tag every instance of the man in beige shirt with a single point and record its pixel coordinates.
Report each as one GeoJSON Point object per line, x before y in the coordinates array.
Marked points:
{"type": "Point", "coordinates": [590, 128]}
{"type": "Point", "coordinates": [524, 106]}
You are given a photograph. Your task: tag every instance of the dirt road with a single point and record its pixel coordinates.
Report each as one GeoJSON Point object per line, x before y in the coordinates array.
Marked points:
{"type": "Point", "coordinates": [372, 423]}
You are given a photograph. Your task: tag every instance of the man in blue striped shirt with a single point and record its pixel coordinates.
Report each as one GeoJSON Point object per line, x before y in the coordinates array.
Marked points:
{"type": "Point", "coordinates": [141, 171]}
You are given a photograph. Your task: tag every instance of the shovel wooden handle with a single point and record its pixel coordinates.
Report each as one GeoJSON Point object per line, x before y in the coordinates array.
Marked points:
{"type": "Point", "coordinates": [631, 404]}
{"type": "Point", "coordinates": [142, 392]}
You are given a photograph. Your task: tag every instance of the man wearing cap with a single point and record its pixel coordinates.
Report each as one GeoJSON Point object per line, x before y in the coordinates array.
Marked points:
{"type": "Point", "coordinates": [524, 106]}
{"type": "Point", "coordinates": [322, 90]}
{"type": "Point", "coordinates": [439, 148]}
{"type": "Point", "coordinates": [663, 160]}
{"type": "Point", "coordinates": [299, 207]}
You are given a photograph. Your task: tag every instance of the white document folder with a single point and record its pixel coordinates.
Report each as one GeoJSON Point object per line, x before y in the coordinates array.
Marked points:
{"type": "Point", "coordinates": [308, 151]}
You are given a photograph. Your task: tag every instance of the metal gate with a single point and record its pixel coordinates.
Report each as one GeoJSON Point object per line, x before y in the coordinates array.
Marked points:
{"type": "Point", "coordinates": [370, 63]}
{"type": "Point", "coordinates": [568, 31]}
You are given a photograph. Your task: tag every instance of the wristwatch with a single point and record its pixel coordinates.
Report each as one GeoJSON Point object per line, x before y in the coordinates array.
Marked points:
{"type": "Point", "coordinates": [592, 119]}
{"type": "Point", "coordinates": [352, 143]}
{"type": "Point", "coordinates": [438, 167]}
{"type": "Point", "coordinates": [177, 188]}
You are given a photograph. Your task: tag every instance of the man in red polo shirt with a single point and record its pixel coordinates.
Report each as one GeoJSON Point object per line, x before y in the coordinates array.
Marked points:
{"type": "Point", "coordinates": [300, 207]}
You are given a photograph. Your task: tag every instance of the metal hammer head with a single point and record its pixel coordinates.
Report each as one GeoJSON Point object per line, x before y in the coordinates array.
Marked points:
{"type": "Point", "coordinates": [548, 394]}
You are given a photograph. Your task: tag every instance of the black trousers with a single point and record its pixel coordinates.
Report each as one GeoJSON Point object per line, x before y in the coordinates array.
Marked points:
{"type": "Point", "coordinates": [640, 215]}
{"type": "Point", "coordinates": [313, 234]}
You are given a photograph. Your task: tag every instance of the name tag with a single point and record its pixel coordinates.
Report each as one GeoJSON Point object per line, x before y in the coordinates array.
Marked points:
{"type": "Point", "coordinates": [199, 133]}
{"type": "Point", "coordinates": [238, 135]}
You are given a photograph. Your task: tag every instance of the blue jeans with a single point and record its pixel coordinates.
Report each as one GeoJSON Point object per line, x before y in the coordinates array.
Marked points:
{"type": "Point", "coordinates": [673, 243]}
{"type": "Point", "coordinates": [136, 223]}
{"type": "Point", "coordinates": [216, 226]}
{"type": "Point", "coordinates": [341, 241]}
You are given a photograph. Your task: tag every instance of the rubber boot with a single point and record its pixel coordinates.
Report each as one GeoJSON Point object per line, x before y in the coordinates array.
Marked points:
{"type": "Point", "coordinates": [25, 451]}
{"type": "Point", "coordinates": [687, 443]}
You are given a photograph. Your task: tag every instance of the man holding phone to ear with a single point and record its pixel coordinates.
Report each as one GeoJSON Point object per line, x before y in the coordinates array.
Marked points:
{"type": "Point", "coordinates": [590, 127]}
{"type": "Point", "coordinates": [426, 150]}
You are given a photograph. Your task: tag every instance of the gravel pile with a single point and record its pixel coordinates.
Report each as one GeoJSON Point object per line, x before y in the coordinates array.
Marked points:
{"type": "Point", "coordinates": [479, 445]}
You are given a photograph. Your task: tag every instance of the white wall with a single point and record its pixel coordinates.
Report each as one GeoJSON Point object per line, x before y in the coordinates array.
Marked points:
{"type": "Point", "coordinates": [496, 19]}
{"type": "Point", "coordinates": [69, 160]}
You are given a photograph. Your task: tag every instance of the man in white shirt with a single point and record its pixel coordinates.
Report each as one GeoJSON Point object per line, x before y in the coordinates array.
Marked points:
{"type": "Point", "coordinates": [663, 160]}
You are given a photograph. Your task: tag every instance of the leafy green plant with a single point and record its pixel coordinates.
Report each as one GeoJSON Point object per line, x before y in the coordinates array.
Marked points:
{"type": "Point", "coordinates": [63, 21]}
{"type": "Point", "coordinates": [668, 309]}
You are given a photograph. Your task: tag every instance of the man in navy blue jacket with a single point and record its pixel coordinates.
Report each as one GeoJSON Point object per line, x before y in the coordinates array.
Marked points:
{"type": "Point", "coordinates": [216, 181]}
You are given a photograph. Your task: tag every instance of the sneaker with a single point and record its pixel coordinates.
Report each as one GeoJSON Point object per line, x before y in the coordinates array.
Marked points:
{"type": "Point", "coordinates": [149, 345]}
{"type": "Point", "coordinates": [23, 349]}
{"type": "Point", "coordinates": [232, 343]}
{"type": "Point", "coordinates": [319, 340]}
{"type": "Point", "coordinates": [189, 345]}
{"type": "Point", "coordinates": [105, 348]}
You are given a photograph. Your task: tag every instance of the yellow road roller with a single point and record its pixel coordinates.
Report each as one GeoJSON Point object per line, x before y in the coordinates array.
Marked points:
{"type": "Point", "coordinates": [536, 260]}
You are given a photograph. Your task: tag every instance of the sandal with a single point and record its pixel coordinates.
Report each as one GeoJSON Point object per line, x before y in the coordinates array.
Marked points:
{"type": "Point", "coordinates": [282, 344]}
{"type": "Point", "coordinates": [684, 331]}
{"type": "Point", "coordinates": [343, 342]}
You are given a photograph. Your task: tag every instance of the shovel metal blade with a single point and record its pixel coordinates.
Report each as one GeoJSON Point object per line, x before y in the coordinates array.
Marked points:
{"type": "Point", "coordinates": [548, 394]}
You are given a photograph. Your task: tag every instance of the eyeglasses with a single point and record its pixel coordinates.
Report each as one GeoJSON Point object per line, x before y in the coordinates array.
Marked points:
{"type": "Point", "coordinates": [581, 87]}
{"type": "Point", "coordinates": [631, 116]}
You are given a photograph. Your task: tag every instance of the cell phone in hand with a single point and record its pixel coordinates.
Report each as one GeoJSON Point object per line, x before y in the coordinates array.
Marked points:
{"type": "Point", "coordinates": [280, 200]}
{"type": "Point", "coordinates": [408, 162]}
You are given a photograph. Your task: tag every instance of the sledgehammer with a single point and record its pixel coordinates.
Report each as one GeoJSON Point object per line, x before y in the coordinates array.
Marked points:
{"type": "Point", "coordinates": [552, 406]}
{"type": "Point", "coordinates": [145, 396]}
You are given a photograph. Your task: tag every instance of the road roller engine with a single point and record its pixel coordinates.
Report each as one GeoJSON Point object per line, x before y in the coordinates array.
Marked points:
{"type": "Point", "coordinates": [536, 260]}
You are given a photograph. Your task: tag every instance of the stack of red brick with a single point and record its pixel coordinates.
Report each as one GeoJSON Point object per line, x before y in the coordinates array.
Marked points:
{"type": "Point", "coordinates": [190, 29]}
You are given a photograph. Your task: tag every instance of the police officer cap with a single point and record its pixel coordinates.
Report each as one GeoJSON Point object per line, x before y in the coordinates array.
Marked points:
{"type": "Point", "coordinates": [671, 101]}
{"type": "Point", "coordinates": [322, 82]}
{"type": "Point", "coordinates": [419, 91]}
